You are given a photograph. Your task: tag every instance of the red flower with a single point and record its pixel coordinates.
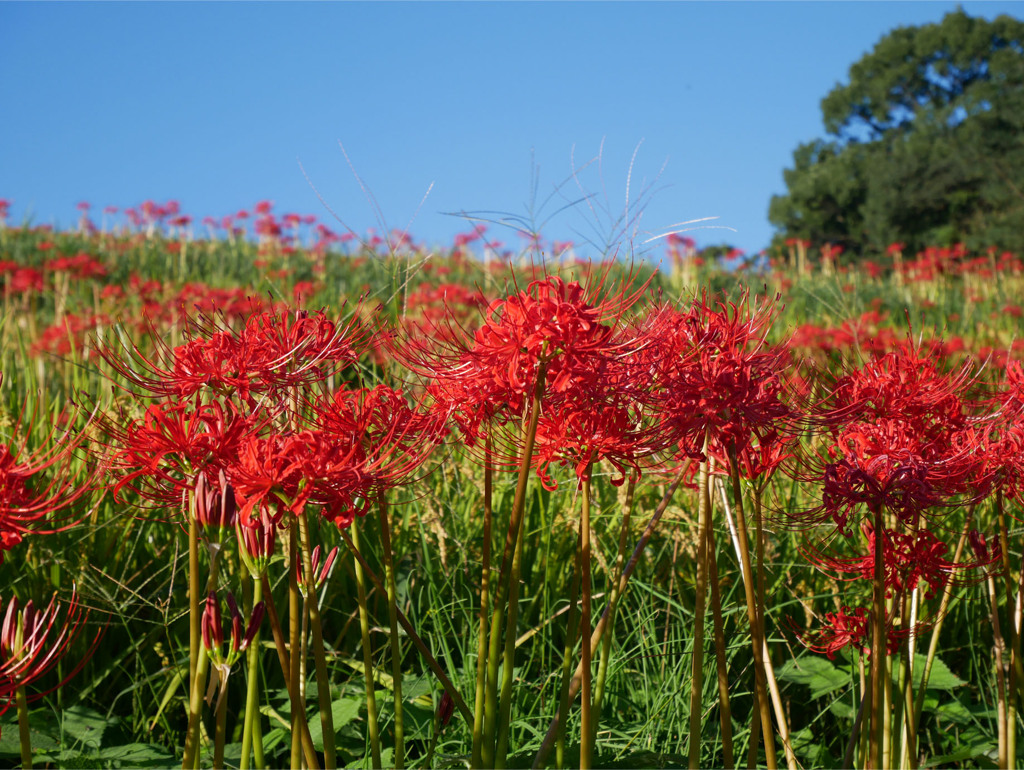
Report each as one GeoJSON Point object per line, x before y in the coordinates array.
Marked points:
{"type": "Point", "coordinates": [32, 642]}
{"type": "Point", "coordinates": [851, 627]}
{"type": "Point", "coordinates": [163, 455]}
{"type": "Point", "coordinates": [31, 502]}
{"type": "Point", "coordinates": [274, 351]}
{"type": "Point", "coordinates": [566, 328]}
{"type": "Point", "coordinates": [717, 377]}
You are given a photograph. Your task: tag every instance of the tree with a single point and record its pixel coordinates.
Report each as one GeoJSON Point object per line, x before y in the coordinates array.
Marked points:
{"type": "Point", "coordinates": [925, 145]}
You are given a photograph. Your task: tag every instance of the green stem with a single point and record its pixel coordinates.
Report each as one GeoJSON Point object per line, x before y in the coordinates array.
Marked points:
{"type": "Point", "coordinates": [284, 659]}
{"type": "Point", "coordinates": [760, 678]}
{"type": "Point", "coordinates": [295, 612]}
{"type": "Point", "coordinates": [417, 641]}
{"type": "Point", "coordinates": [220, 730]}
{"type": "Point", "coordinates": [613, 600]}
{"type": "Point", "coordinates": [257, 743]}
{"type": "Point", "coordinates": [396, 652]}
{"type": "Point", "coordinates": [588, 722]}
{"type": "Point", "coordinates": [198, 683]}
{"type": "Point", "coordinates": [721, 665]}
{"type": "Point", "coordinates": [372, 725]}
{"type": "Point", "coordinates": [252, 674]}
{"type": "Point", "coordinates": [323, 681]}
{"type": "Point", "coordinates": [697, 658]}
{"type": "Point", "coordinates": [999, 650]}
{"type": "Point", "coordinates": [23, 731]}
{"type": "Point", "coordinates": [571, 635]}
{"type": "Point", "coordinates": [878, 644]}
{"type": "Point", "coordinates": [485, 579]}
{"type": "Point", "coordinates": [494, 655]}
{"type": "Point", "coordinates": [1016, 675]}
{"type": "Point", "coordinates": [933, 646]}
{"type": "Point", "coordinates": [194, 599]}
{"type": "Point", "coordinates": [195, 707]}
{"type": "Point", "coordinates": [762, 605]}
{"type": "Point", "coordinates": [508, 658]}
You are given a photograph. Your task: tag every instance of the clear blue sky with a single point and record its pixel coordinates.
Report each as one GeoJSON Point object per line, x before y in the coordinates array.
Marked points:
{"type": "Point", "coordinates": [216, 105]}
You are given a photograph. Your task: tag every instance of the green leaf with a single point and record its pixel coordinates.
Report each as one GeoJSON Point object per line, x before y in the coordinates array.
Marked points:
{"type": "Point", "coordinates": [83, 726]}
{"type": "Point", "coordinates": [42, 738]}
{"type": "Point", "coordinates": [136, 755]}
{"type": "Point", "coordinates": [817, 673]}
{"type": "Point", "coordinates": [343, 710]}
{"type": "Point", "coordinates": [941, 678]}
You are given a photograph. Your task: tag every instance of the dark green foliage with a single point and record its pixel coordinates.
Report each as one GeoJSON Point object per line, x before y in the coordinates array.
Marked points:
{"type": "Point", "coordinates": [924, 144]}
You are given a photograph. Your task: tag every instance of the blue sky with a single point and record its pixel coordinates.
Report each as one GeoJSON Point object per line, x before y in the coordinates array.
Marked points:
{"type": "Point", "coordinates": [216, 105]}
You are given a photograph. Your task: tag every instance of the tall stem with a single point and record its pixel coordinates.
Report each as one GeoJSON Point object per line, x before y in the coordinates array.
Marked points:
{"type": "Point", "coordinates": [372, 725]}
{"type": "Point", "coordinates": [295, 611]}
{"type": "Point", "coordinates": [24, 734]}
{"type": "Point", "coordinates": [753, 615]}
{"type": "Point", "coordinates": [697, 659]}
{"type": "Point", "coordinates": [721, 665]}
{"type": "Point", "coordinates": [588, 723]}
{"type": "Point", "coordinates": [508, 658]}
{"type": "Point", "coordinates": [485, 580]}
{"type": "Point", "coordinates": [571, 635]}
{"type": "Point", "coordinates": [220, 731]}
{"type": "Point", "coordinates": [417, 641]}
{"type": "Point", "coordinates": [613, 600]}
{"type": "Point", "coordinates": [878, 644]}
{"type": "Point", "coordinates": [323, 681]}
{"type": "Point", "coordinates": [284, 659]}
{"type": "Point", "coordinates": [396, 650]}
{"type": "Point", "coordinates": [503, 589]}
{"type": "Point", "coordinates": [194, 599]}
{"type": "Point", "coordinates": [252, 704]}
{"type": "Point", "coordinates": [773, 686]}
{"type": "Point", "coordinates": [998, 653]}
{"type": "Point", "coordinates": [195, 708]}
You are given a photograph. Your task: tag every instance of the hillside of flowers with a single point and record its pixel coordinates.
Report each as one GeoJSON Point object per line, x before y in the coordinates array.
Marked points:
{"type": "Point", "coordinates": [273, 495]}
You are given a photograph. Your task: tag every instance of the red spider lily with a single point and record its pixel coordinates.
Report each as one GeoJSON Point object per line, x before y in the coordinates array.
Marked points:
{"type": "Point", "coordinates": [32, 642]}
{"type": "Point", "coordinates": [903, 439]}
{"type": "Point", "coordinates": [381, 441]}
{"type": "Point", "coordinates": [272, 352]}
{"type": "Point", "coordinates": [268, 476]}
{"type": "Point", "coordinates": [566, 328]}
{"type": "Point", "coordinates": [32, 503]}
{"type": "Point", "coordinates": [905, 384]}
{"type": "Point", "coordinates": [717, 377]}
{"type": "Point", "coordinates": [846, 627]}
{"type": "Point", "coordinates": [851, 627]}
{"type": "Point", "coordinates": [908, 558]}
{"type": "Point", "coordinates": [885, 466]}
{"type": "Point", "coordinates": [604, 417]}
{"type": "Point", "coordinates": [163, 455]}
{"type": "Point", "coordinates": [761, 457]}
{"type": "Point", "coordinates": [279, 474]}
{"type": "Point", "coordinates": [241, 637]}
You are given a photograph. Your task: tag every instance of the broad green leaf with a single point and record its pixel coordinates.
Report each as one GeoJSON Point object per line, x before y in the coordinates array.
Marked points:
{"type": "Point", "coordinates": [817, 673]}
{"type": "Point", "coordinates": [83, 726]}
{"type": "Point", "coordinates": [343, 710]}
{"type": "Point", "coordinates": [941, 678]}
{"type": "Point", "coordinates": [136, 755]}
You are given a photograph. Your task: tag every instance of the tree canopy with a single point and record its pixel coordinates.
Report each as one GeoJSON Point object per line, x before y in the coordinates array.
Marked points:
{"type": "Point", "coordinates": [925, 144]}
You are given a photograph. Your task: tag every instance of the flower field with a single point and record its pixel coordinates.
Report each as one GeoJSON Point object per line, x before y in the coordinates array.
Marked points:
{"type": "Point", "coordinates": [274, 496]}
